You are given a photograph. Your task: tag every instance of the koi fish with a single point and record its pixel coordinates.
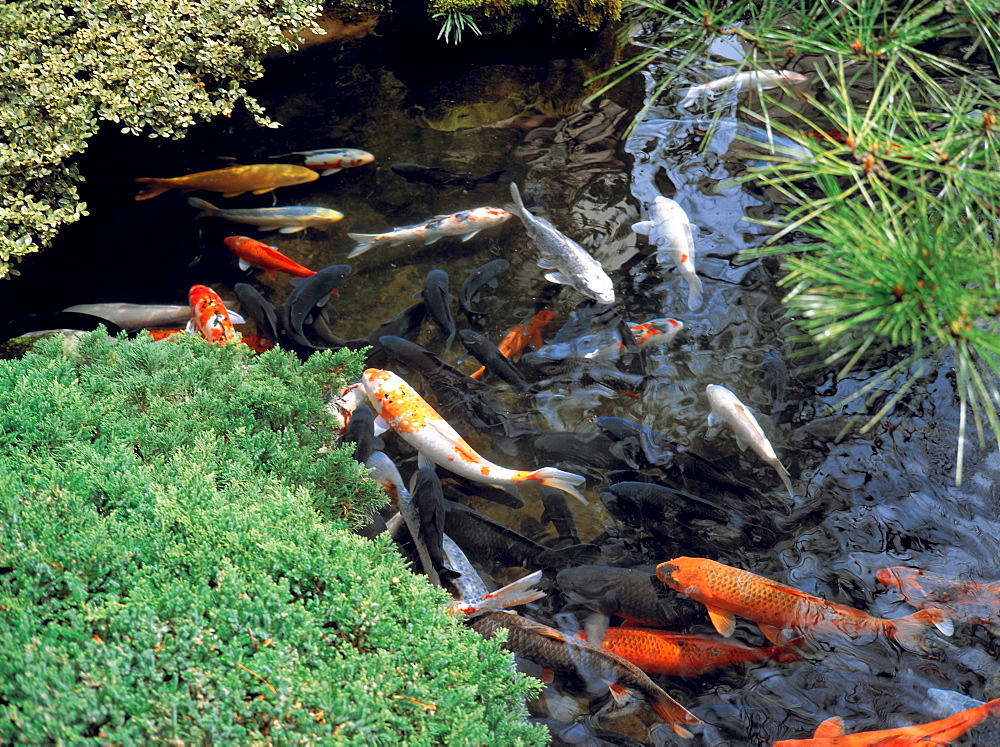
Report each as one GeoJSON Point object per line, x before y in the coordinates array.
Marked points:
{"type": "Point", "coordinates": [527, 333]}
{"type": "Point", "coordinates": [466, 223]}
{"type": "Point", "coordinates": [268, 258]}
{"type": "Point", "coordinates": [552, 649]}
{"type": "Point", "coordinates": [209, 317]}
{"type": "Point", "coordinates": [625, 592]}
{"type": "Point", "coordinates": [830, 733]}
{"type": "Point", "coordinates": [726, 591]}
{"type": "Point", "coordinates": [722, 135]}
{"type": "Point", "coordinates": [759, 79]}
{"type": "Point", "coordinates": [280, 219]}
{"type": "Point", "coordinates": [512, 595]}
{"type": "Point", "coordinates": [436, 299]}
{"type": "Point", "coordinates": [966, 602]}
{"type": "Point", "coordinates": [258, 308]}
{"type": "Point", "coordinates": [417, 423]}
{"type": "Point", "coordinates": [331, 160]}
{"type": "Point", "coordinates": [660, 331]}
{"type": "Point", "coordinates": [440, 178]}
{"type": "Point", "coordinates": [483, 349]}
{"type": "Point", "coordinates": [132, 316]}
{"type": "Point", "coordinates": [726, 407]}
{"type": "Point", "coordinates": [487, 274]}
{"type": "Point", "coordinates": [669, 230]}
{"type": "Point", "coordinates": [662, 652]}
{"type": "Point", "coordinates": [568, 262]}
{"type": "Point", "coordinates": [231, 181]}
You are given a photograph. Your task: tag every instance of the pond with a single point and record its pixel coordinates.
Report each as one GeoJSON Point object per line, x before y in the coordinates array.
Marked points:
{"type": "Point", "coordinates": [875, 500]}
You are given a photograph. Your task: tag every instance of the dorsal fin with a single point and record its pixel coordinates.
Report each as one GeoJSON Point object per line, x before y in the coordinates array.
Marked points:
{"type": "Point", "coordinates": [832, 727]}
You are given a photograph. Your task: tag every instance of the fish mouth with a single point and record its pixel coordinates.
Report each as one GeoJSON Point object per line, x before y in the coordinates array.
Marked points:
{"type": "Point", "coordinates": [665, 572]}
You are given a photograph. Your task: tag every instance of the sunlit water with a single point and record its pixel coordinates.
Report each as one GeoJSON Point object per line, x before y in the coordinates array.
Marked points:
{"type": "Point", "coordinates": [881, 499]}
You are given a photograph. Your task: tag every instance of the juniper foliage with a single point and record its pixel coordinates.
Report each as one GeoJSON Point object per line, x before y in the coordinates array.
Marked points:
{"type": "Point", "coordinates": [175, 564]}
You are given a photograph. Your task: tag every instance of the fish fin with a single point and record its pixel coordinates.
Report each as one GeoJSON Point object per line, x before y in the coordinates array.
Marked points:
{"type": "Point", "coordinates": [470, 235]}
{"type": "Point", "coordinates": [289, 229]}
{"type": "Point", "coordinates": [153, 187]}
{"type": "Point", "coordinates": [643, 226]}
{"type": "Point", "coordinates": [714, 419]}
{"type": "Point", "coordinates": [418, 295]}
{"type": "Point", "coordinates": [557, 478]}
{"type": "Point", "coordinates": [206, 207]}
{"type": "Point", "coordinates": [516, 593]}
{"type": "Point", "coordinates": [428, 242]}
{"type": "Point", "coordinates": [544, 263]}
{"type": "Point", "coordinates": [674, 714]}
{"type": "Point", "coordinates": [235, 318]}
{"type": "Point", "coordinates": [694, 292]}
{"type": "Point", "coordinates": [557, 277]}
{"type": "Point", "coordinates": [327, 172]}
{"type": "Point", "coordinates": [380, 425]}
{"type": "Point", "coordinates": [790, 651]}
{"type": "Point", "coordinates": [741, 440]}
{"type": "Point", "coordinates": [424, 462]}
{"type": "Point", "coordinates": [832, 727]}
{"type": "Point", "coordinates": [234, 194]}
{"type": "Point", "coordinates": [190, 329]}
{"type": "Point", "coordinates": [547, 675]}
{"type": "Point", "coordinates": [773, 634]}
{"type": "Point", "coordinates": [515, 193]}
{"type": "Point", "coordinates": [909, 631]}
{"type": "Point", "coordinates": [783, 474]}
{"type": "Point", "coordinates": [267, 228]}
{"type": "Point", "coordinates": [724, 622]}
{"type": "Point", "coordinates": [365, 242]}
{"type": "Point", "coordinates": [478, 374]}
{"type": "Point", "coordinates": [622, 695]}
{"type": "Point", "coordinates": [261, 191]}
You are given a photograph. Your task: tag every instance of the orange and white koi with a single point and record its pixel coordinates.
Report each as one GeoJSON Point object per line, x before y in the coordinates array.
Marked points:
{"type": "Point", "coordinates": [726, 407]}
{"type": "Point", "coordinates": [656, 331]}
{"type": "Point", "coordinates": [331, 160]}
{"type": "Point", "coordinates": [466, 223]}
{"type": "Point", "coordinates": [657, 651]}
{"type": "Point", "coordinates": [524, 334]}
{"type": "Point", "coordinates": [669, 230]}
{"type": "Point", "coordinates": [231, 181]}
{"type": "Point", "coordinates": [830, 733]}
{"type": "Point", "coordinates": [400, 407]}
{"type": "Point", "coordinates": [512, 595]}
{"type": "Point", "coordinates": [209, 317]}
{"type": "Point", "coordinates": [759, 79]}
{"type": "Point", "coordinates": [726, 591]}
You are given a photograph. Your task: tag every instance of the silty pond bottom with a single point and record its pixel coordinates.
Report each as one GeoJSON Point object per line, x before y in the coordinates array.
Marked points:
{"type": "Point", "coordinates": [876, 500]}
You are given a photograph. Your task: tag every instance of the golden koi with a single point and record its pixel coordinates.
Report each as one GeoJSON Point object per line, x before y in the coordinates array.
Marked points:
{"type": "Point", "coordinates": [417, 423]}
{"type": "Point", "coordinates": [231, 181]}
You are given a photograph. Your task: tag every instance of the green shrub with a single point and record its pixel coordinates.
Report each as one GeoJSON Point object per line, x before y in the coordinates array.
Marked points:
{"type": "Point", "coordinates": [165, 576]}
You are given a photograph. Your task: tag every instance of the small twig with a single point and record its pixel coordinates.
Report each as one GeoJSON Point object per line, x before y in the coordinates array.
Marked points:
{"type": "Point", "coordinates": [258, 677]}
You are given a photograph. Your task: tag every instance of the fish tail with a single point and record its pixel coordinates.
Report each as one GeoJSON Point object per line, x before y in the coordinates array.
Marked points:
{"type": "Point", "coordinates": [785, 477]}
{"type": "Point", "coordinates": [478, 374]}
{"type": "Point", "coordinates": [365, 241]}
{"type": "Point", "coordinates": [787, 651]}
{"type": "Point", "coordinates": [694, 292]}
{"type": "Point", "coordinates": [909, 631]}
{"type": "Point", "coordinates": [207, 208]}
{"type": "Point", "coordinates": [675, 714]}
{"type": "Point", "coordinates": [517, 593]}
{"type": "Point", "coordinates": [515, 193]}
{"type": "Point", "coordinates": [153, 187]}
{"type": "Point", "coordinates": [557, 478]}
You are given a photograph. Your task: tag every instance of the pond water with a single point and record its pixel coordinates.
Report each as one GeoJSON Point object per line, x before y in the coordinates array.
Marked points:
{"type": "Point", "coordinates": [885, 498]}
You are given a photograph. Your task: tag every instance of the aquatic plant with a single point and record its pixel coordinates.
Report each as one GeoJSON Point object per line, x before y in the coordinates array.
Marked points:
{"type": "Point", "coordinates": [176, 565]}
{"type": "Point", "coordinates": [895, 205]}
{"type": "Point", "coordinates": [152, 67]}
{"type": "Point", "coordinates": [453, 23]}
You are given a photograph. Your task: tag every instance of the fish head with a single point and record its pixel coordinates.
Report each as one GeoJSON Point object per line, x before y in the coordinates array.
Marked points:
{"type": "Point", "coordinates": [680, 574]}
{"type": "Point", "coordinates": [600, 287]}
{"type": "Point", "coordinates": [789, 76]}
{"type": "Point", "coordinates": [656, 331]}
{"type": "Point", "coordinates": [488, 216]}
{"type": "Point", "coordinates": [327, 215]}
{"type": "Point", "coordinates": [375, 382]}
{"type": "Point", "coordinates": [235, 242]}
{"type": "Point", "coordinates": [356, 157]}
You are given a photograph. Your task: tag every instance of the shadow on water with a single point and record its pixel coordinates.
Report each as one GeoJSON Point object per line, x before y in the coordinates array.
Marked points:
{"type": "Point", "coordinates": [879, 499]}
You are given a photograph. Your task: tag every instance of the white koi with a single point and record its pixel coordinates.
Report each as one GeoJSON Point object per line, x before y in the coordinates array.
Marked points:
{"type": "Point", "coordinates": [759, 79]}
{"type": "Point", "coordinates": [513, 594]}
{"type": "Point", "coordinates": [400, 407]}
{"type": "Point", "coordinates": [727, 408]}
{"type": "Point", "coordinates": [669, 230]}
{"type": "Point", "coordinates": [131, 316]}
{"type": "Point", "coordinates": [331, 160]}
{"type": "Point", "coordinates": [466, 223]}
{"type": "Point", "coordinates": [281, 219]}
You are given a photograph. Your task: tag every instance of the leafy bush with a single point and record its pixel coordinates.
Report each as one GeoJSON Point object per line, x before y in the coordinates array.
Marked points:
{"type": "Point", "coordinates": [164, 575]}
{"type": "Point", "coordinates": [150, 66]}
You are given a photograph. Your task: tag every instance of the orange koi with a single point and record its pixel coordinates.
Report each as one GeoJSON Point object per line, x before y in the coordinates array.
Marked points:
{"type": "Point", "coordinates": [268, 258]}
{"type": "Point", "coordinates": [830, 733]}
{"type": "Point", "coordinates": [231, 181]}
{"type": "Point", "coordinates": [661, 652]}
{"type": "Point", "coordinates": [966, 602]}
{"type": "Point", "coordinates": [514, 343]}
{"type": "Point", "coordinates": [400, 407]}
{"type": "Point", "coordinates": [209, 317]}
{"type": "Point", "coordinates": [726, 591]}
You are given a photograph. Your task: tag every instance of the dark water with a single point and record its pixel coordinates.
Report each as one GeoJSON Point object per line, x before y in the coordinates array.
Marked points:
{"type": "Point", "coordinates": [885, 498]}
